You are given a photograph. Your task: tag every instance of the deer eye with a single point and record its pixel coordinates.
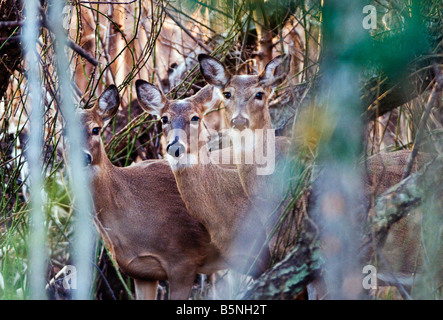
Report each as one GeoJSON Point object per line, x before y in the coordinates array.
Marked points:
{"type": "Point", "coordinates": [227, 95]}
{"type": "Point", "coordinates": [96, 131]}
{"type": "Point", "coordinates": [195, 118]}
{"type": "Point", "coordinates": [164, 120]}
{"type": "Point", "coordinates": [259, 95]}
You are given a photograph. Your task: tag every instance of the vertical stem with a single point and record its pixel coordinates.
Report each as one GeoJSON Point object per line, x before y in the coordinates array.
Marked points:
{"type": "Point", "coordinates": [36, 241]}
{"type": "Point", "coordinates": [83, 245]}
{"type": "Point", "coordinates": [339, 202]}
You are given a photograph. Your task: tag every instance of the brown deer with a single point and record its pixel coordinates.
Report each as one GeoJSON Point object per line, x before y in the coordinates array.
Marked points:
{"type": "Point", "coordinates": [246, 100]}
{"type": "Point", "coordinates": [141, 215]}
{"type": "Point", "coordinates": [400, 254]}
{"type": "Point", "coordinates": [213, 193]}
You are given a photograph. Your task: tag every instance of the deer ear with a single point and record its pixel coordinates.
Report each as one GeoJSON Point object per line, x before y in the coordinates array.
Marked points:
{"type": "Point", "coordinates": [151, 99]}
{"type": "Point", "coordinates": [213, 71]}
{"type": "Point", "coordinates": [108, 103]}
{"type": "Point", "coordinates": [207, 98]}
{"type": "Point", "coordinates": [276, 71]}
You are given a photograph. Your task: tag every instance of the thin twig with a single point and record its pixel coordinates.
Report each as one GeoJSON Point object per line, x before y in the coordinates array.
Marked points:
{"type": "Point", "coordinates": [8, 24]}
{"type": "Point", "coordinates": [82, 52]}
{"type": "Point", "coordinates": [213, 8]}
{"type": "Point", "coordinates": [105, 280]}
{"type": "Point", "coordinates": [191, 18]}
{"type": "Point", "coordinates": [201, 44]}
{"type": "Point", "coordinates": [396, 282]}
{"type": "Point", "coordinates": [432, 98]}
{"type": "Point", "coordinates": [9, 39]}
{"type": "Point", "coordinates": [73, 45]}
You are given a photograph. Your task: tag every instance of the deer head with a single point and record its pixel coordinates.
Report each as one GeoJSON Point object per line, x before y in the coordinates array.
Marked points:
{"type": "Point", "coordinates": [94, 120]}
{"type": "Point", "coordinates": [181, 120]}
{"type": "Point", "coordinates": [245, 96]}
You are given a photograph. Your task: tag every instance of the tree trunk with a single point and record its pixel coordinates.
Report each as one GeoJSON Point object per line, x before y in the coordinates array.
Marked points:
{"type": "Point", "coordinates": [10, 53]}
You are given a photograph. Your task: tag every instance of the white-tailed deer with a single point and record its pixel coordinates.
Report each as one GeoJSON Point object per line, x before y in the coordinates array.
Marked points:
{"type": "Point", "coordinates": [246, 106]}
{"type": "Point", "coordinates": [402, 251]}
{"type": "Point", "coordinates": [213, 194]}
{"type": "Point", "coordinates": [141, 215]}
{"type": "Point", "coordinates": [246, 100]}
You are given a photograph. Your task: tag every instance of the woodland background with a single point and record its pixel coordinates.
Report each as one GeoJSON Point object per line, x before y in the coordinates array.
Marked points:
{"type": "Point", "coordinates": [388, 99]}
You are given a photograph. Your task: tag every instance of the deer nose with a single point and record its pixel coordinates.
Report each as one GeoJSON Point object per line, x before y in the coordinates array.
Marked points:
{"type": "Point", "coordinates": [240, 123]}
{"type": "Point", "coordinates": [176, 148]}
{"type": "Point", "coordinates": [87, 158]}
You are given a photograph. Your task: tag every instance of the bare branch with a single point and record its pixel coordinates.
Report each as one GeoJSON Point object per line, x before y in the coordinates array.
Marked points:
{"type": "Point", "coordinates": [419, 136]}
{"type": "Point", "coordinates": [289, 277]}
{"type": "Point", "coordinates": [201, 44]}
{"type": "Point", "coordinates": [82, 52]}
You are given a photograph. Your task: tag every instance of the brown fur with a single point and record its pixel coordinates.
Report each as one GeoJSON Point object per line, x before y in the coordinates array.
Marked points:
{"type": "Point", "coordinates": [213, 193]}
{"type": "Point", "coordinates": [402, 246]}
{"type": "Point", "coordinates": [144, 221]}
{"type": "Point", "coordinates": [265, 191]}
{"type": "Point", "coordinates": [399, 256]}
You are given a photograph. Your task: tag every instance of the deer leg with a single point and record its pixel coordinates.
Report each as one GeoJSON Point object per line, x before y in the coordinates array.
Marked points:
{"type": "Point", "coordinates": [213, 289]}
{"type": "Point", "coordinates": [180, 287]}
{"type": "Point", "coordinates": [145, 290]}
{"type": "Point", "coordinates": [317, 289]}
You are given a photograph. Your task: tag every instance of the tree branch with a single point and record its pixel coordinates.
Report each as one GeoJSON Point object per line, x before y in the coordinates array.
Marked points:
{"type": "Point", "coordinates": [10, 52]}
{"type": "Point", "coordinates": [419, 136]}
{"type": "Point", "coordinates": [406, 195]}
{"type": "Point", "coordinates": [289, 277]}
{"type": "Point", "coordinates": [201, 44]}
{"type": "Point", "coordinates": [392, 95]}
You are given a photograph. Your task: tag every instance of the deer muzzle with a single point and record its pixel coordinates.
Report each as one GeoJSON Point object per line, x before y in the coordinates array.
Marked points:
{"type": "Point", "coordinates": [176, 149]}
{"type": "Point", "coordinates": [239, 123]}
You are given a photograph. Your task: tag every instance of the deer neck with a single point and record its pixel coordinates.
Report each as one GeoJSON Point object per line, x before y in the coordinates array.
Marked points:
{"type": "Point", "coordinates": [109, 206]}
{"type": "Point", "coordinates": [215, 197]}
{"type": "Point", "coordinates": [255, 156]}
{"type": "Point", "coordinates": [105, 177]}
{"type": "Point", "coordinates": [262, 170]}
{"type": "Point", "coordinates": [265, 181]}
{"type": "Point", "coordinates": [203, 186]}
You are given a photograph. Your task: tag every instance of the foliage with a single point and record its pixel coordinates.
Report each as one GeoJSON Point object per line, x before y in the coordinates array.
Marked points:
{"type": "Point", "coordinates": [159, 41]}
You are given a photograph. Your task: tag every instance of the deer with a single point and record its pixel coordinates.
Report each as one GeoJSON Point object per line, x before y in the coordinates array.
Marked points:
{"type": "Point", "coordinates": [246, 100]}
{"type": "Point", "coordinates": [212, 192]}
{"type": "Point", "coordinates": [141, 216]}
